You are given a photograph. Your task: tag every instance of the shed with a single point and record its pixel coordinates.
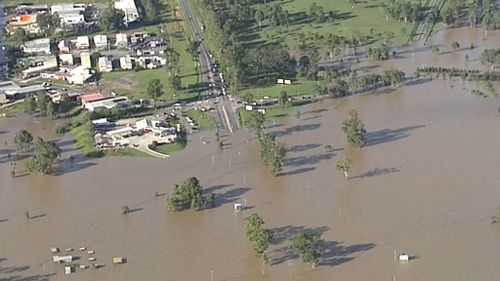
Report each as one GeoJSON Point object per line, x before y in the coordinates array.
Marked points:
{"type": "Point", "coordinates": [82, 42]}
{"type": "Point", "coordinates": [101, 41]}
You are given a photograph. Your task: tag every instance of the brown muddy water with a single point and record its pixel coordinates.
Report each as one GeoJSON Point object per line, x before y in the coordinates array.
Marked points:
{"type": "Point", "coordinates": [426, 184]}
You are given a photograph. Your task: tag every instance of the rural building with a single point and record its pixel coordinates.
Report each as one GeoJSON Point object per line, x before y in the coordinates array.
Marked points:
{"type": "Point", "coordinates": [14, 94]}
{"type": "Point", "coordinates": [104, 64]}
{"type": "Point", "coordinates": [31, 9]}
{"type": "Point", "coordinates": [82, 42]}
{"type": "Point", "coordinates": [85, 60]}
{"type": "Point", "coordinates": [85, 99]}
{"type": "Point", "coordinates": [130, 10]}
{"type": "Point", "coordinates": [70, 14]}
{"type": "Point", "coordinates": [101, 41]}
{"type": "Point", "coordinates": [66, 59]}
{"type": "Point", "coordinates": [126, 63]}
{"type": "Point", "coordinates": [45, 64]}
{"type": "Point", "coordinates": [121, 40]}
{"type": "Point", "coordinates": [108, 103]}
{"type": "Point", "coordinates": [37, 46]}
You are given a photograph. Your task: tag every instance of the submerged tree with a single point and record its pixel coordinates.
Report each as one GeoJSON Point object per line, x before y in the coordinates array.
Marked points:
{"type": "Point", "coordinates": [344, 166]}
{"type": "Point", "coordinates": [29, 105]}
{"type": "Point", "coordinates": [187, 195]}
{"type": "Point", "coordinates": [308, 247]}
{"type": "Point", "coordinates": [46, 154]}
{"type": "Point", "coordinates": [23, 141]}
{"type": "Point", "coordinates": [354, 128]}
{"type": "Point", "coordinates": [496, 217]}
{"type": "Point", "coordinates": [259, 237]}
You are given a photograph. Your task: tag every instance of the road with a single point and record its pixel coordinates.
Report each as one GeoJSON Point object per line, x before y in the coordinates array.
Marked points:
{"type": "Point", "coordinates": [422, 28]}
{"type": "Point", "coordinates": [3, 65]}
{"type": "Point", "coordinates": [226, 115]}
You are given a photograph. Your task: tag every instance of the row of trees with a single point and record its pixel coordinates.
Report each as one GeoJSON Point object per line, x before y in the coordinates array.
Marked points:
{"type": "Point", "coordinates": [464, 74]}
{"type": "Point", "coordinates": [308, 246]}
{"type": "Point", "coordinates": [44, 105]}
{"type": "Point", "coordinates": [490, 57]}
{"type": "Point", "coordinates": [188, 195]}
{"type": "Point", "coordinates": [272, 153]}
{"type": "Point", "coordinates": [403, 10]}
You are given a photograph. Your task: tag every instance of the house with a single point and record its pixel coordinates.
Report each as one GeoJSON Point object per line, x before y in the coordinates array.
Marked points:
{"type": "Point", "coordinates": [66, 59]}
{"type": "Point", "coordinates": [80, 75]}
{"type": "Point", "coordinates": [121, 40]}
{"type": "Point", "coordinates": [151, 62]}
{"type": "Point", "coordinates": [63, 46]}
{"type": "Point", "coordinates": [107, 103]}
{"type": "Point", "coordinates": [37, 46]}
{"type": "Point", "coordinates": [42, 65]}
{"type": "Point", "coordinates": [129, 9]}
{"type": "Point", "coordinates": [101, 41]}
{"type": "Point", "coordinates": [31, 9]}
{"type": "Point", "coordinates": [126, 63]}
{"type": "Point", "coordinates": [70, 14]}
{"type": "Point", "coordinates": [85, 60]}
{"type": "Point", "coordinates": [82, 42]}
{"type": "Point", "coordinates": [104, 64]}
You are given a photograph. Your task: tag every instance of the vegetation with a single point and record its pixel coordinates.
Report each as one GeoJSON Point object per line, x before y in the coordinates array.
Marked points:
{"type": "Point", "coordinates": [167, 148]}
{"type": "Point", "coordinates": [149, 10]}
{"type": "Point", "coordinates": [188, 195]}
{"type": "Point", "coordinates": [125, 210]}
{"type": "Point", "coordinates": [496, 217]}
{"type": "Point", "coordinates": [23, 141]}
{"type": "Point", "coordinates": [308, 247]}
{"type": "Point", "coordinates": [490, 57]}
{"type": "Point", "coordinates": [344, 166]}
{"type": "Point", "coordinates": [42, 100]}
{"type": "Point", "coordinates": [272, 153]}
{"type": "Point", "coordinates": [155, 90]}
{"type": "Point", "coordinates": [354, 128]}
{"type": "Point", "coordinates": [29, 105]}
{"type": "Point", "coordinates": [48, 22]}
{"type": "Point", "coordinates": [259, 237]}
{"type": "Point", "coordinates": [205, 120]}
{"type": "Point", "coordinates": [403, 10]}
{"type": "Point", "coordinates": [111, 19]}
{"type": "Point", "coordinates": [46, 154]}
{"type": "Point", "coordinates": [464, 74]}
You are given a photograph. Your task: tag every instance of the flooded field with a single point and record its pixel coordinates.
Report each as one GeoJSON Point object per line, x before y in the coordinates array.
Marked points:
{"type": "Point", "coordinates": [426, 183]}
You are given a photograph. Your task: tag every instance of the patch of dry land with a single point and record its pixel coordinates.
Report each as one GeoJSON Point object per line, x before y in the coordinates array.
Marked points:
{"type": "Point", "coordinates": [426, 183]}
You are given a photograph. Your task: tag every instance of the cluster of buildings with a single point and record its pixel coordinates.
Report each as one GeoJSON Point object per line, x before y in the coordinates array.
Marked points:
{"type": "Point", "coordinates": [70, 16]}
{"type": "Point", "coordinates": [74, 61]}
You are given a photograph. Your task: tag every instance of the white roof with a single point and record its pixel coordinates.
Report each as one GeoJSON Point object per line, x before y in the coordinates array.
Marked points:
{"type": "Point", "coordinates": [82, 41]}
{"type": "Point", "coordinates": [121, 38]}
{"type": "Point", "coordinates": [101, 40]}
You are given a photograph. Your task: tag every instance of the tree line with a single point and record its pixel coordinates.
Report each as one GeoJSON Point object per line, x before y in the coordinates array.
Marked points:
{"type": "Point", "coordinates": [44, 106]}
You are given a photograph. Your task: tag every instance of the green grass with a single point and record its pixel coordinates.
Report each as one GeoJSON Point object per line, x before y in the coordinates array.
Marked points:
{"type": "Point", "coordinates": [13, 110]}
{"type": "Point", "coordinates": [299, 87]}
{"type": "Point", "coordinates": [84, 140]}
{"type": "Point", "coordinates": [205, 120]}
{"type": "Point", "coordinates": [127, 151]}
{"type": "Point", "coordinates": [169, 148]}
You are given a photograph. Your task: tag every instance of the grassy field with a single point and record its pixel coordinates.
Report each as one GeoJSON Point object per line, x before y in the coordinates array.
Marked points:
{"type": "Point", "coordinates": [84, 140]}
{"type": "Point", "coordinates": [205, 120]}
{"type": "Point", "coordinates": [169, 148]}
{"type": "Point", "coordinates": [127, 151]}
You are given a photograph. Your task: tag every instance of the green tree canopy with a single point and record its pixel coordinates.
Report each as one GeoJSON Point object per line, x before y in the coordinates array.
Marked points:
{"type": "Point", "coordinates": [344, 166]}
{"type": "Point", "coordinates": [155, 90]}
{"type": "Point", "coordinates": [42, 100]}
{"type": "Point", "coordinates": [259, 237]}
{"type": "Point", "coordinates": [308, 247]}
{"type": "Point", "coordinates": [23, 141]}
{"type": "Point", "coordinates": [354, 128]}
{"type": "Point", "coordinates": [46, 153]}
{"type": "Point", "coordinates": [490, 57]}
{"type": "Point", "coordinates": [186, 195]}
{"type": "Point", "coordinates": [29, 105]}
{"type": "Point", "coordinates": [48, 22]}
{"type": "Point", "coordinates": [111, 19]}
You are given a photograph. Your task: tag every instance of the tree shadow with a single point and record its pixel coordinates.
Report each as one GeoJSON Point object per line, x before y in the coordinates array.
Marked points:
{"type": "Point", "coordinates": [303, 147]}
{"type": "Point", "coordinates": [335, 253]}
{"type": "Point", "coordinates": [76, 164]}
{"type": "Point", "coordinates": [307, 160]}
{"type": "Point", "coordinates": [297, 128]}
{"type": "Point", "coordinates": [38, 277]}
{"type": "Point", "coordinates": [298, 171]}
{"type": "Point", "coordinates": [228, 197]}
{"type": "Point", "coordinates": [388, 135]}
{"type": "Point", "coordinates": [13, 269]}
{"type": "Point", "coordinates": [377, 172]}
{"type": "Point", "coordinates": [4, 220]}
{"type": "Point", "coordinates": [135, 210]}
{"type": "Point", "coordinates": [37, 216]}
{"type": "Point", "coordinates": [214, 188]}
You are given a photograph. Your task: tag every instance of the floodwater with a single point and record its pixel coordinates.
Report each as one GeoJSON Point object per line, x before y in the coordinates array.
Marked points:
{"type": "Point", "coordinates": [425, 184]}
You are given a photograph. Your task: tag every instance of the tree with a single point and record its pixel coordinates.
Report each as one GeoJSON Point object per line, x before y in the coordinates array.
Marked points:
{"type": "Point", "coordinates": [393, 77]}
{"type": "Point", "coordinates": [176, 82]}
{"type": "Point", "coordinates": [496, 217]}
{"type": "Point", "coordinates": [23, 141]}
{"type": "Point", "coordinates": [283, 99]}
{"type": "Point", "coordinates": [490, 57]}
{"type": "Point", "coordinates": [46, 153]}
{"type": "Point", "coordinates": [354, 128]}
{"type": "Point", "coordinates": [51, 110]}
{"type": "Point", "coordinates": [448, 15]}
{"type": "Point", "coordinates": [259, 237]}
{"type": "Point", "coordinates": [19, 36]}
{"type": "Point", "coordinates": [111, 19]}
{"type": "Point", "coordinates": [29, 105]}
{"type": "Point", "coordinates": [155, 90]}
{"type": "Point", "coordinates": [48, 22]}
{"type": "Point", "coordinates": [186, 195]}
{"type": "Point", "coordinates": [150, 10]}
{"type": "Point", "coordinates": [344, 166]}
{"type": "Point", "coordinates": [248, 97]}
{"type": "Point", "coordinates": [455, 46]}
{"type": "Point", "coordinates": [308, 247]}
{"type": "Point", "coordinates": [64, 104]}
{"type": "Point", "coordinates": [259, 16]}
{"type": "Point", "coordinates": [255, 121]}
{"type": "Point", "coordinates": [42, 100]}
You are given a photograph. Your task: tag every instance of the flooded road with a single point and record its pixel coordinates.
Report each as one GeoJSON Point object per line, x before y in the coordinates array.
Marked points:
{"type": "Point", "coordinates": [426, 184]}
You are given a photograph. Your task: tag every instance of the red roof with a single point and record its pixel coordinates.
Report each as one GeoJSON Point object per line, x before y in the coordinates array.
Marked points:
{"type": "Point", "coordinates": [91, 97]}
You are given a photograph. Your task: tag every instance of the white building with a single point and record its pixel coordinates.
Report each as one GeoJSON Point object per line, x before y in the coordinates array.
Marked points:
{"type": "Point", "coordinates": [38, 46]}
{"type": "Point", "coordinates": [121, 40]}
{"type": "Point", "coordinates": [80, 75]}
{"type": "Point", "coordinates": [107, 103]}
{"type": "Point", "coordinates": [45, 64]}
{"type": "Point", "coordinates": [70, 13]}
{"type": "Point", "coordinates": [63, 46]}
{"type": "Point", "coordinates": [66, 59]}
{"type": "Point", "coordinates": [82, 42]}
{"type": "Point", "coordinates": [126, 63]}
{"type": "Point", "coordinates": [104, 64]}
{"type": "Point", "coordinates": [130, 10]}
{"type": "Point", "coordinates": [101, 41]}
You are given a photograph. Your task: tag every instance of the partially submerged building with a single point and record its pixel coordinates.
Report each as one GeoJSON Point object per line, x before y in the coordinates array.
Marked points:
{"type": "Point", "coordinates": [37, 46]}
